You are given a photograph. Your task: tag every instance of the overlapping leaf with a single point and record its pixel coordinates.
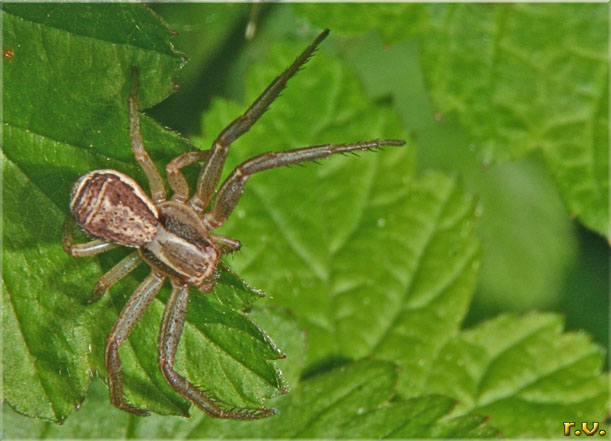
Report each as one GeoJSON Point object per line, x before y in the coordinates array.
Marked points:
{"type": "Point", "coordinates": [523, 369]}
{"type": "Point", "coordinates": [92, 420]}
{"type": "Point", "coordinates": [525, 77]}
{"type": "Point", "coordinates": [520, 78]}
{"type": "Point", "coordinates": [326, 406]}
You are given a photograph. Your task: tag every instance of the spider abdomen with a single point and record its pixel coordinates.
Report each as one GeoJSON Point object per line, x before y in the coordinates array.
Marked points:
{"type": "Point", "coordinates": [110, 205]}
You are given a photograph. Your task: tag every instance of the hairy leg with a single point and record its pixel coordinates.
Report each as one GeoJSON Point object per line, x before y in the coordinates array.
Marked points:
{"type": "Point", "coordinates": [116, 273]}
{"type": "Point", "coordinates": [231, 190]}
{"type": "Point", "coordinates": [171, 330]}
{"type": "Point", "coordinates": [132, 312]}
{"type": "Point", "coordinates": [143, 158]}
{"type": "Point", "coordinates": [211, 172]}
{"type": "Point", "coordinates": [228, 244]}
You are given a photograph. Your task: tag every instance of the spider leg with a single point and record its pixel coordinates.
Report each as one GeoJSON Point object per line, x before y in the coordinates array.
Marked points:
{"type": "Point", "coordinates": [231, 190]}
{"type": "Point", "coordinates": [171, 329]}
{"type": "Point", "coordinates": [176, 179]}
{"type": "Point", "coordinates": [96, 246]}
{"type": "Point", "coordinates": [132, 312]}
{"type": "Point", "coordinates": [228, 244]}
{"type": "Point", "coordinates": [143, 158]}
{"type": "Point", "coordinates": [116, 273]}
{"type": "Point", "coordinates": [211, 172]}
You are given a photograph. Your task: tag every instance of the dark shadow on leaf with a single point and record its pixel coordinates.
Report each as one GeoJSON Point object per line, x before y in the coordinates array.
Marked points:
{"type": "Point", "coordinates": [325, 365]}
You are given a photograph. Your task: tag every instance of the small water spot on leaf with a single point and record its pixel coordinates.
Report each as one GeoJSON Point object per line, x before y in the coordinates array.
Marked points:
{"type": "Point", "coordinates": [360, 411]}
{"type": "Point", "coordinates": [381, 222]}
{"type": "Point", "coordinates": [486, 162]}
{"type": "Point", "coordinates": [421, 362]}
{"type": "Point", "coordinates": [241, 214]}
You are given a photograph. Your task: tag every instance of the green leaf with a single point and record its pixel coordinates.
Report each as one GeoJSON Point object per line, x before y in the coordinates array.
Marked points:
{"type": "Point", "coordinates": [80, 425]}
{"type": "Point", "coordinates": [350, 402]}
{"type": "Point", "coordinates": [63, 118]}
{"type": "Point", "coordinates": [523, 77]}
{"type": "Point", "coordinates": [520, 77]}
{"type": "Point", "coordinates": [513, 242]}
{"type": "Point", "coordinates": [525, 373]}
{"type": "Point", "coordinates": [363, 238]}
{"type": "Point", "coordinates": [398, 283]}
{"type": "Point", "coordinates": [92, 419]}
{"type": "Point", "coordinates": [373, 262]}
{"type": "Point", "coordinates": [45, 371]}
{"type": "Point", "coordinates": [282, 328]}
{"type": "Point", "coordinates": [391, 20]}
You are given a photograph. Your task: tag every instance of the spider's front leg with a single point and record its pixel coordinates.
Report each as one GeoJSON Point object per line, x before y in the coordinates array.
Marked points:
{"type": "Point", "coordinates": [211, 172]}
{"type": "Point", "coordinates": [229, 194]}
{"type": "Point", "coordinates": [155, 181]}
{"type": "Point", "coordinates": [131, 313]}
{"type": "Point", "coordinates": [171, 329]}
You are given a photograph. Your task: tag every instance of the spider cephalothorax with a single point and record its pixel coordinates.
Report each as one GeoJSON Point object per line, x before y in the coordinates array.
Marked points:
{"type": "Point", "coordinates": [173, 236]}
